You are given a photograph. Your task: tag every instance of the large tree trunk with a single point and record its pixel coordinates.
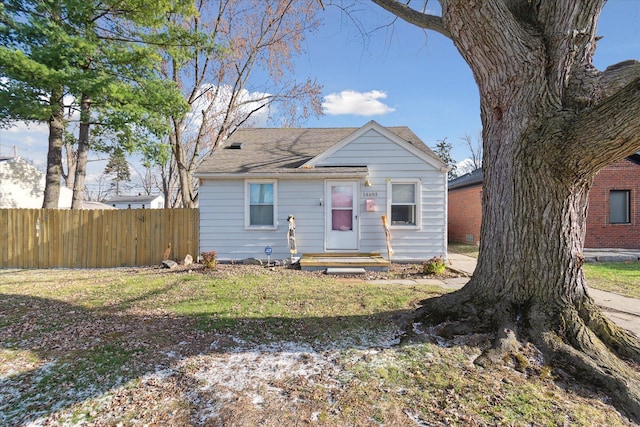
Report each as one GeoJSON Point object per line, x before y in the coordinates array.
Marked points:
{"type": "Point", "coordinates": [54, 155]}
{"type": "Point", "coordinates": [83, 149]}
{"type": "Point", "coordinates": [551, 121]}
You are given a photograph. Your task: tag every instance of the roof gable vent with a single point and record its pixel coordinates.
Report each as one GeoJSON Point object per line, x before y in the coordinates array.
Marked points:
{"type": "Point", "coordinates": [234, 146]}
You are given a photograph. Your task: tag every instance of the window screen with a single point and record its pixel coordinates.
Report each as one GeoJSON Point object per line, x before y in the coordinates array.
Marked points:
{"type": "Point", "coordinates": [403, 204]}
{"type": "Point", "coordinates": [619, 212]}
{"type": "Point", "coordinates": [261, 204]}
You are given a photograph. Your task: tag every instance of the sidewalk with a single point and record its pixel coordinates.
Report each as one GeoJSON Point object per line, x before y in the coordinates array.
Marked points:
{"type": "Point", "coordinates": [611, 255]}
{"type": "Point", "coordinates": [624, 311]}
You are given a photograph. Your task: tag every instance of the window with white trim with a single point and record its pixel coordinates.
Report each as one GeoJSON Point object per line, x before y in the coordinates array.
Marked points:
{"type": "Point", "coordinates": [403, 203]}
{"type": "Point", "coordinates": [619, 207]}
{"type": "Point", "coordinates": [260, 204]}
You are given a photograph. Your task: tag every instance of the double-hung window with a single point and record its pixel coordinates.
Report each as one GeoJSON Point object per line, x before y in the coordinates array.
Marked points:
{"type": "Point", "coordinates": [403, 203]}
{"type": "Point", "coordinates": [619, 207]}
{"type": "Point", "coordinates": [260, 206]}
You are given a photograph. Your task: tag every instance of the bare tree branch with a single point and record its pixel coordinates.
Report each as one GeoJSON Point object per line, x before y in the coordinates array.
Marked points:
{"type": "Point", "coordinates": [615, 120]}
{"type": "Point", "coordinates": [412, 16]}
{"type": "Point", "coordinates": [618, 76]}
{"type": "Point", "coordinates": [218, 81]}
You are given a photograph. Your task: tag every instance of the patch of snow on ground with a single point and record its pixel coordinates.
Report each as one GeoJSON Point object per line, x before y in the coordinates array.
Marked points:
{"type": "Point", "coordinates": [249, 371]}
{"type": "Point", "coordinates": [242, 370]}
{"type": "Point", "coordinates": [236, 369]}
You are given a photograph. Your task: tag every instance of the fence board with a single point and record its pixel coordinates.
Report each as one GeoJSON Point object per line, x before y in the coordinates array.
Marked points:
{"type": "Point", "coordinates": [52, 238]}
{"type": "Point", "coordinates": [3, 235]}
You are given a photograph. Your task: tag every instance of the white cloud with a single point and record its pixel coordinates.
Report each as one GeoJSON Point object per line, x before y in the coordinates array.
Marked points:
{"type": "Point", "coordinates": [358, 103]}
{"type": "Point", "coordinates": [464, 167]}
{"type": "Point", "coordinates": [28, 140]}
{"type": "Point", "coordinates": [217, 98]}
{"type": "Point", "coordinates": [21, 127]}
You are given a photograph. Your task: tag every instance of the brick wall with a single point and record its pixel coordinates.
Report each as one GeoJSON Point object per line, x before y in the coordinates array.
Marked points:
{"type": "Point", "coordinates": [465, 210]}
{"type": "Point", "coordinates": [623, 175]}
{"type": "Point", "coordinates": [465, 214]}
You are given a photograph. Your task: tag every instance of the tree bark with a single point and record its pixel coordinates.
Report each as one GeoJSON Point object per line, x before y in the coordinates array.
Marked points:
{"type": "Point", "coordinates": [54, 155]}
{"type": "Point", "coordinates": [83, 149]}
{"type": "Point", "coordinates": [182, 164]}
{"type": "Point", "coordinates": [71, 156]}
{"type": "Point", "coordinates": [550, 121]}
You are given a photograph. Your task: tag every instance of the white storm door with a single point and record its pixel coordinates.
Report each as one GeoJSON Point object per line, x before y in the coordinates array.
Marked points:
{"type": "Point", "coordinates": [341, 215]}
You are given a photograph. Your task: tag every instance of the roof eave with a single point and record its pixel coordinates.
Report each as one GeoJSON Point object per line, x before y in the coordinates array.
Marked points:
{"type": "Point", "coordinates": [465, 185]}
{"type": "Point", "coordinates": [307, 174]}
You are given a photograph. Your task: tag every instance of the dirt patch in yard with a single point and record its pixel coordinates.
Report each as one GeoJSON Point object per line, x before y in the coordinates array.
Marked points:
{"type": "Point", "coordinates": [396, 271]}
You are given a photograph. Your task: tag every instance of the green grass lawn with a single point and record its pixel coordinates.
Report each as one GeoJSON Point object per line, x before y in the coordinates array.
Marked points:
{"type": "Point", "coordinates": [250, 346]}
{"type": "Point", "coordinates": [619, 277]}
{"type": "Point", "coordinates": [463, 249]}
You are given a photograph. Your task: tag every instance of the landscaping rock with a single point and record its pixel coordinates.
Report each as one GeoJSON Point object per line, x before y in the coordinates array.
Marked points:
{"type": "Point", "coordinates": [167, 263]}
{"type": "Point", "coordinates": [252, 261]}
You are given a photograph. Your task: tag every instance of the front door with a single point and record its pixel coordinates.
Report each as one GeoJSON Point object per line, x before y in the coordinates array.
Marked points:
{"type": "Point", "coordinates": [341, 215]}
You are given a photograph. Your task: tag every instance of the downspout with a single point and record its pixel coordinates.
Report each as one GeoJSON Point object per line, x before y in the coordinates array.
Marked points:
{"type": "Point", "coordinates": [445, 173]}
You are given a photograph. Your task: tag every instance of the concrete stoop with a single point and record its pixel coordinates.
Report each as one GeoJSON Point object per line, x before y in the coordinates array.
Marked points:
{"type": "Point", "coordinates": [345, 271]}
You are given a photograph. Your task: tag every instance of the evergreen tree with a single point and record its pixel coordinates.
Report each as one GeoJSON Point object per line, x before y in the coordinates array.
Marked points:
{"type": "Point", "coordinates": [443, 150]}
{"type": "Point", "coordinates": [94, 52]}
{"type": "Point", "coordinates": [118, 169]}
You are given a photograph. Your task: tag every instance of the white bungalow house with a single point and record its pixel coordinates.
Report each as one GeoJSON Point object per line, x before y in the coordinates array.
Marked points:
{"type": "Point", "coordinates": [140, 201]}
{"type": "Point", "coordinates": [337, 183]}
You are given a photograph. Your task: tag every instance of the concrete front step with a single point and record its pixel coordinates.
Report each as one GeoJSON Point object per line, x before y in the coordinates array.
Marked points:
{"type": "Point", "coordinates": [346, 271]}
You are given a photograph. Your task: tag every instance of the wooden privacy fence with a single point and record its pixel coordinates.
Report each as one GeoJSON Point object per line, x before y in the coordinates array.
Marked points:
{"type": "Point", "coordinates": [54, 238]}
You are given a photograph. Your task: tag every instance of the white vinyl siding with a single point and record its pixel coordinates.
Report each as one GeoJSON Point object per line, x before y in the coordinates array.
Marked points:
{"type": "Point", "coordinates": [387, 162]}
{"type": "Point", "coordinates": [222, 220]}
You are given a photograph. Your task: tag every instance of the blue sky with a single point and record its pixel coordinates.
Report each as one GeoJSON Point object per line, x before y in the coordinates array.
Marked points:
{"type": "Point", "coordinates": [426, 84]}
{"type": "Point", "coordinates": [397, 76]}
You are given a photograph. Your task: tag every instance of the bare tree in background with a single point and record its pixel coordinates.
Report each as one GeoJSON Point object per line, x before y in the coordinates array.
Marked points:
{"type": "Point", "coordinates": [234, 71]}
{"type": "Point", "coordinates": [475, 150]}
{"type": "Point", "coordinates": [149, 182]}
{"type": "Point", "coordinates": [100, 190]}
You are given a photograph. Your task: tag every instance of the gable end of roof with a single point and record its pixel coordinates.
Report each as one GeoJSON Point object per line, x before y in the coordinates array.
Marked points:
{"type": "Point", "coordinates": [393, 134]}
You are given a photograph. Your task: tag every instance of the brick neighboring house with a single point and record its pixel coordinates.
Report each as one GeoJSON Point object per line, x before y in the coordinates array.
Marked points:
{"type": "Point", "coordinates": [465, 208]}
{"type": "Point", "coordinates": [613, 219]}
{"type": "Point", "coordinates": [613, 216]}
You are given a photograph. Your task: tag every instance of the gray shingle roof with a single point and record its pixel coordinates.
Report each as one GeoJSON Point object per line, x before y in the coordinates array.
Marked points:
{"type": "Point", "coordinates": [475, 177]}
{"type": "Point", "coordinates": [140, 198]}
{"type": "Point", "coordinates": [278, 150]}
{"type": "Point", "coordinates": [467, 180]}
